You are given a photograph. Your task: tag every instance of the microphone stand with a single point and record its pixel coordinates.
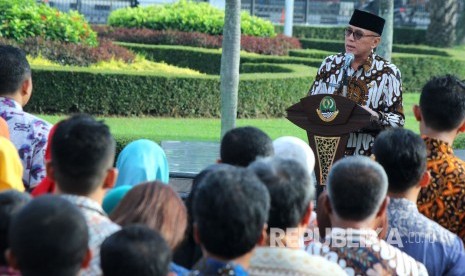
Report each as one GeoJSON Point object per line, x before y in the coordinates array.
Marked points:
{"type": "Point", "coordinates": [345, 82]}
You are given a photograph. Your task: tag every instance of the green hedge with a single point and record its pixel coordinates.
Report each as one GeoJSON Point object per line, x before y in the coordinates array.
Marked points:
{"type": "Point", "coordinates": [20, 19]}
{"type": "Point", "coordinates": [196, 58]}
{"type": "Point", "coordinates": [401, 35]}
{"type": "Point", "coordinates": [416, 69]}
{"type": "Point", "coordinates": [338, 46]}
{"type": "Point", "coordinates": [187, 16]}
{"type": "Point", "coordinates": [107, 93]}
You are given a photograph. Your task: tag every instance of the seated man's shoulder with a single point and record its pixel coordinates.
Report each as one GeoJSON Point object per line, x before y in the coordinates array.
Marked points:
{"type": "Point", "coordinates": [271, 260]}
{"type": "Point", "coordinates": [401, 260]}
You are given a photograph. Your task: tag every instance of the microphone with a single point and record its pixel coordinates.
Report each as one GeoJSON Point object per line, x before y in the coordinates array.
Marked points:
{"type": "Point", "coordinates": [348, 59]}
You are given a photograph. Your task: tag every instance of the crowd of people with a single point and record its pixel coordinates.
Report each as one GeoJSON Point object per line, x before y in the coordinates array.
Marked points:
{"type": "Point", "coordinates": [68, 206]}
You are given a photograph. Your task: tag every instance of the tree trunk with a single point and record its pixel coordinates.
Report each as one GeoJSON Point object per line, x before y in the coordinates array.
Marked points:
{"type": "Point", "coordinates": [386, 11]}
{"type": "Point", "coordinates": [442, 28]}
{"type": "Point", "coordinates": [461, 24]}
{"type": "Point", "coordinates": [230, 58]}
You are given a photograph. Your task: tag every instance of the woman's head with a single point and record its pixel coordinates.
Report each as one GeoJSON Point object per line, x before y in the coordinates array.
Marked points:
{"type": "Point", "coordinates": [156, 205]}
{"type": "Point", "coordinates": [141, 161]}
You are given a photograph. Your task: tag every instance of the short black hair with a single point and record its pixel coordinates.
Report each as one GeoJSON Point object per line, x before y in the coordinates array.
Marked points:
{"type": "Point", "coordinates": [442, 103]}
{"type": "Point", "coordinates": [11, 202]}
{"type": "Point", "coordinates": [49, 236]}
{"type": "Point", "coordinates": [402, 154]}
{"type": "Point", "coordinates": [241, 146]}
{"type": "Point", "coordinates": [357, 186]}
{"type": "Point", "coordinates": [290, 187]}
{"type": "Point", "coordinates": [230, 210]}
{"type": "Point", "coordinates": [82, 152]}
{"type": "Point", "coordinates": [135, 250]}
{"type": "Point", "coordinates": [14, 69]}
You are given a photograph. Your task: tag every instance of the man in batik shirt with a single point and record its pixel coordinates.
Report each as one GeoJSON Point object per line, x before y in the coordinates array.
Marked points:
{"type": "Point", "coordinates": [372, 82]}
{"type": "Point", "coordinates": [442, 117]}
{"type": "Point", "coordinates": [402, 154]}
{"type": "Point", "coordinates": [353, 209]}
{"type": "Point", "coordinates": [27, 132]}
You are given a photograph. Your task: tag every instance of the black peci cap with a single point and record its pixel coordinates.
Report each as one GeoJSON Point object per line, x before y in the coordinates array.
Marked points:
{"type": "Point", "coordinates": [367, 21]}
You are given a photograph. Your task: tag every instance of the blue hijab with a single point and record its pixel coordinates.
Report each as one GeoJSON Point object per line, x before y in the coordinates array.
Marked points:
{"type": "Point", "coordinates": [141, 161]}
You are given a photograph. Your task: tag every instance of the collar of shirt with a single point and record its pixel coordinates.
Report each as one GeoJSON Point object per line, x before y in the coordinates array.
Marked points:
{"type": "Point", "coordinates": [437, 148]}
{"type": "Point", "coordinates": [358, 236]}
{"type": "Point", "coordinates": [365, 66]}
{"type": "Point", "coordinates": [10, 103]}
{"type": "Point", "coordinates": [215, 267]}
{"type": "Point", "coordinates": [85, 203]}
{"type": "Point", "coordinates": [403, 204]}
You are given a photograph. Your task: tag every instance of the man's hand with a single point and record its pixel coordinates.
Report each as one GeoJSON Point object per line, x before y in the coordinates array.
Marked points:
{"type": "Point", "coordinates": [374, 114]}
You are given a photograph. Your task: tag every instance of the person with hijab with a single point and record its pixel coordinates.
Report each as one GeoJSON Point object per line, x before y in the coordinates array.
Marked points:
{"type": "Point", "coordinates": [140, 161]}
{"type": "Point", "coordinates": [11, 169]}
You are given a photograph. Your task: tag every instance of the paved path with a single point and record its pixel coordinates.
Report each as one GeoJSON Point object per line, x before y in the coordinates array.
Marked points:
{"type": "Point", "coordinates": [187, 159]}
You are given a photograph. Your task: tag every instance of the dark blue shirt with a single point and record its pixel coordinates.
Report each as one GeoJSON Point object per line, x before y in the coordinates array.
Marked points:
{"type": "Point", "coordinates": [440, 250]}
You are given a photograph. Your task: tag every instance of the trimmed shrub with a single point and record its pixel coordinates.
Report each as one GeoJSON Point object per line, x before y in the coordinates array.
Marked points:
{"type": "Point", "coordinates": [72, 54]}
{"type": "Point", "coordinates": [402, 35]}
{"type": "Point", "coordinates": [279, 45]}
{"type": "Point", "coordinates": [102, 93]}
{"type": "Point", "coordinates": [195, 58]}
{"type": "Point", "coordinates": [187, 16]}
{"type": "Point", "coordinates": [416, 69]}
{"type": "Point", "coordinates": [338, 46]}
{"type": "Point", "coordinates": [22, 19]}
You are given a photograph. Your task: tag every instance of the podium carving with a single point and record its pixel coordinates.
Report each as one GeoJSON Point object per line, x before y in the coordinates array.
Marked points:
{"type": "Point", "coordinates": [328, 121]}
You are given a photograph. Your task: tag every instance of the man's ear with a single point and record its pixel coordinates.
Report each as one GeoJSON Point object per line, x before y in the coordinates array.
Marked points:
{"type": "Point", "coordinates": [425, 179]}
{"type": "Point", "coordinates": [383, 208]}
{"type": "Point", "coordinates": [87, 258]}
{"type": "Point", "coordinates": [26, 90]}
{"type": "Point", "coordinates": [417, 112]}
{"type": "Point", "coordinates": [50, 170]}
{"type": "Point", "coordinates": [263, 236]}
{"type": "Point", "coordinates": [462, 127]}
{"type": "Point", "coordinates": [110, 178]}
{"type": "Point", "coordinates": [307, 216]}
{"type": "Point", "coordinates": [376, 42]}
{"type": "Point", "coordinates": [11, 259]}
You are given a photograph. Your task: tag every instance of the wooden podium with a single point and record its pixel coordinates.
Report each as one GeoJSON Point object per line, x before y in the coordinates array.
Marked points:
{"type": "Point", "coordinates": [328, 120]}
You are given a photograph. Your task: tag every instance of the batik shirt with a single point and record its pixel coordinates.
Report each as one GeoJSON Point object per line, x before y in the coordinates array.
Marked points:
{"type": "Point", "coordinates": [212, 267]}
{"type": "Point", "coordinates": [376, 84]}
{"type": "Point", "coordinates": [443, 200]}
{"type": "Point", "coordinates": [361, 252]}
{"type": "Point", "coordinates": [29, 135]}
{"type": "Point", "coordinates": [100, 227]}
{"type": "Point", "coordinates": [274, 261]}
{"type": "Point", "coordinates": [437, 248]}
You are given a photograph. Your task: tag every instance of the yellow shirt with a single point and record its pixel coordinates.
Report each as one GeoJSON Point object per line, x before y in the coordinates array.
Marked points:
{"type": "Point", "coordinates": [11, 170]}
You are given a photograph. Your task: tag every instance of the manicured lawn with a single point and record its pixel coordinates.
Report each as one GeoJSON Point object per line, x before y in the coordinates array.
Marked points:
{"type": "Point", "coordinates": [187, 129]}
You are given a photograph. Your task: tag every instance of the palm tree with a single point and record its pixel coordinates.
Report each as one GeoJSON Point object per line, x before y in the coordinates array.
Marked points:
{"type": "Point", "coordinates": [230, 57]}
{"type": "Point", "coordinates": [442, 28]}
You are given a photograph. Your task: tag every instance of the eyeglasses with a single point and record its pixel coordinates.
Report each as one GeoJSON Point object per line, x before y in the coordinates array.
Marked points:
{"type": "Point", "coordinates": [357, 34]}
